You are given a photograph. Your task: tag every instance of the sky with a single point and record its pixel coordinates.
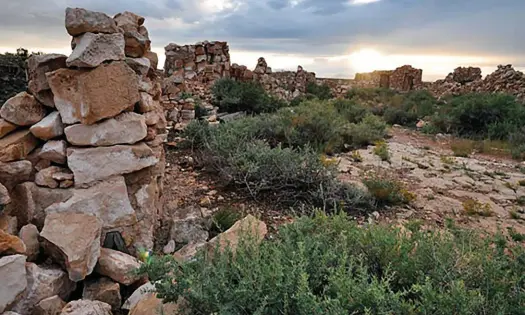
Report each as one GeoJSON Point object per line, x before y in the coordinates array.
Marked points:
{"type": "Point", "coordinates": [333, 38]}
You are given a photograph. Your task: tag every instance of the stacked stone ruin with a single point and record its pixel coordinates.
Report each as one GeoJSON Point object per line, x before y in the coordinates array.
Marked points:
{"type": "Point", "coordinates": [81, 168]}
{"type": "Point", "coordinates": [469, 79]}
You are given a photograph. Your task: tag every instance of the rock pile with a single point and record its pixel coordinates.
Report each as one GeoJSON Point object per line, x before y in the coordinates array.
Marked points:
{"type": "Point", "coordinates": [467, 80]}
{"type": "Point", "coordinates": [81, 167]}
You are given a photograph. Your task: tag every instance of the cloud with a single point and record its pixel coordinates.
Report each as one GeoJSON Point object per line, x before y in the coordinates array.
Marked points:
{"type": "Point", "coordinates": [312, 30]}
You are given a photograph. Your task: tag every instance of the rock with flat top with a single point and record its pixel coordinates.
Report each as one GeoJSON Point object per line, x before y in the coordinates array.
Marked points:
{"type": "Point", "coordinates": [14, 282]}
{"type": "Point", "coordinates": [48, 128]}
{"type": "Point", "coordinates": [104, 290]}
{"type": "Point", "coordinates": [54, 151]}
{"type": "Point", "coordinates": [128, 21]}
{"type": "Point", "coordinates": [22, 110]}
{"type": "Point", "coordinates": [37, 67]}
{"type": "Point", "coordinates": [92, 164]}
{"type": "Point", "coordinates": [80, 21]}
{"type": "Point", "coordinates": [87, 307]}
{"type": "Point", "coordinates": [17, 145]}
{"type": "Point", "coordinates": [73, 240]}
{"type": "Point", "coordinates": [88, 96]}
{"type": "Point", "coordinates": [93, 49]}
{"type": "Point", "coordinates": [118, 266]}
{"type": "Point", "coordinates": [126, 128]}
{"type": "Point", "coordinates": [42, 283]}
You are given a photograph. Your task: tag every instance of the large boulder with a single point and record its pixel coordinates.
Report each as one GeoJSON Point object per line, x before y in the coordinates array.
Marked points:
{"type": "Point", "coordinates": [108, 200]}
{"type": "Point", "coordinates": [86, 307]}
{"type": "Point", "coordinates": [42, 283]}
{"type": "Point", "coordinates": [73, 240]}
{"type": "Point", "coordinates": [17, 145]}
{"type": "Point", "coordinates": [92, 164]}
{"type": "Point", "coordinates": [248, 227]}
{"type": "Point", "coordinates": [6, 127]}
{"type": "Point", "coordinates": [80, 21]}
{"type": "Point", "coordinates": [22, 110]}
{"type": "Point", "coordinates": [118, 266]}
{"type": "Point", "coordinates": [93, 49]}
{"type": "Point", "coordinates": [14, 173]}
{"type": "Point", "coordinates": [29, 235]}
{"type": "Point", "coordinates": [104, 290]}
{"type": "Point", "coordinates": [151, 304]}
{"type": "Point", "coordinates": [126, 128]}
{"type": "Point", "coordinates": [50, 306]}
{"type": "Point", "coordinates": [128, 21]}
{"type": "Point", "coordinates": [37, 67]}
{"type": "Point", "coordinates": [88, 96]}
{"type": "Point", "coordinates": [14, 282]}
{"type": "Point", "coordinates": [48, 128]}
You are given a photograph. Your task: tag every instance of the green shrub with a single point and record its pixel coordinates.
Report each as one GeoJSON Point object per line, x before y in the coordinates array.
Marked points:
{"type": "Point", "coordinates": [517, 144]}
{"type": "Point", "coordinates": [388, 192]}
{"type": "Point", "coordinates": [223, 219]}
{"type": "Point", "coordinates": [321, 91]}
{"type": "Point", "coordinates": [330, 265]}
{"type": "Point", "coordinates": [481, 115]}
{"type": "Point", "coordinates": [233, 96]}
{"type": "Point", "coordinates": [351, 110]}
{"type": "Point", "coordinates": [370, 130]}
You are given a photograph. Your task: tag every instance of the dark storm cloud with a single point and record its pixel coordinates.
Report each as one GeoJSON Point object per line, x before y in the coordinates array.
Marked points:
{"type": "Point", "coordinates": [313, 28]}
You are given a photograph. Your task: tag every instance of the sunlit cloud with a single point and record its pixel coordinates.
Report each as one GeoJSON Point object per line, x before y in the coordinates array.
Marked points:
{"type": "Point", "coordinates": [362, 2]}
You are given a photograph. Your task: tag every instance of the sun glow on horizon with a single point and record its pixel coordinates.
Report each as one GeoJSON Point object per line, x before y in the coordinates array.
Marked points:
{"type": "Point", "coordinates": [368, 60]}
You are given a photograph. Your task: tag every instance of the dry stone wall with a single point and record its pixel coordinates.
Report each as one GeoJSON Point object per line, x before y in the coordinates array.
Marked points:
{"type": "Point", "coordinates": [81, 169]}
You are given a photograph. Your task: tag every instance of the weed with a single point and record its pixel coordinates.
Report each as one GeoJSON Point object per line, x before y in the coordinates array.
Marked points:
{"type": "Point", "coordinates": [462, 148]}
{"type": "Point", "coordinates": [515, 236]}
{"type": "Point", "coordinates": [388, 191]}
{"type": "Point", "coordinates": [381, 150]}
{"type": "Point", "coordinates": [521, 183]}
{"type": "Point", "coordinates": [476, 208]}
{"type": "Point", "coordinates": [514, 214]}
{"type": "Point", "coordinates": [356, 156]}
{"type": "Point", "coordinates": [448, 160]}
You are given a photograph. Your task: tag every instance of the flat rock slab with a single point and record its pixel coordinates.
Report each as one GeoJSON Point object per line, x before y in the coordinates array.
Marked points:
{"type": "Point", "coordinates": [93, 49]}
{"type": "Point", "coordinates": [22, 110]}
{"type": "Point", "coordinates": [88, 96]}
{"type": "Point", "coordinates": [73, 240]}
{"type": "Point", "coordinates": [14, 173]}
{"type": "Point", "coordinates": [42, 283]}
{"type": "Point", "coordinates": [107, 200]}
{"type": "Point", "coordinates": [93, 164]}
{"type": "Point", "coordinates": [14, 282]}
{"type": "Point", "coordinates": [17, 145]}
{"type": "Point", "coordinates": [126, 128]}
{"type": "Point", "coordinates": [118, 266]}
{"type": "Point", "coordinates": [48, 128]}
{"type": "Point", "coordinates": [80, 21]}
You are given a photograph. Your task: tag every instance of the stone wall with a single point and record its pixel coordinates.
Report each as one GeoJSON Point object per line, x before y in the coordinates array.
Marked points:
{"type": "Point", "coordinates": [81, 169]}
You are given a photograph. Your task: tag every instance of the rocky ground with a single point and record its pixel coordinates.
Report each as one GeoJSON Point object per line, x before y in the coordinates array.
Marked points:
{"type": "Point", "coordinates": [442, 182]}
